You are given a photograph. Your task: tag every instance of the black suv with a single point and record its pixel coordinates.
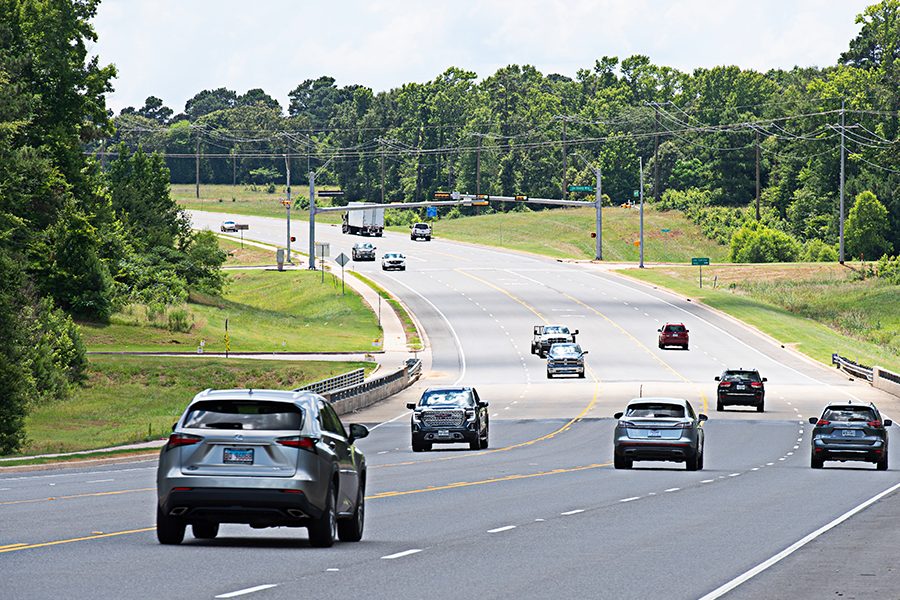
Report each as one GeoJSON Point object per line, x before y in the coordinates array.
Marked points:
{"type": "Point", "coordinates": [848, 431]}
{"type": "Point", "coordinates": [363, 251]}
{"type": "Point", "coordinates": [743, 387]}
{"type": "Point", "coordinates": [448, 415]}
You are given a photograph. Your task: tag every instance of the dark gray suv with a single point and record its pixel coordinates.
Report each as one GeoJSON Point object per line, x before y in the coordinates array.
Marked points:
{"type": "Point", "coordinates": [267, 458]}
{"type": "Point", "coordinates": [446, 415]}
{"type": "Point", "coordinates": [849, 431]}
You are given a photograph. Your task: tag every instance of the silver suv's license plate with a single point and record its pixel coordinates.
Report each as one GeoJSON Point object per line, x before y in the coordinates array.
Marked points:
{"type": "Point", "coordinates": [443, 433]}
{"type": "Point", "coordinates": [236, 456]}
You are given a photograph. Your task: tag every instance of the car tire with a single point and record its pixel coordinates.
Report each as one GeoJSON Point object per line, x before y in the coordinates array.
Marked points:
{"type": "Point", "coordinates": [402, 268]}
{"type": "Point", "coordinates": [417, 447]}
{"type": "Point", "coordinates": [882, 465]}
{"type": "Point", "coordinates": [169, 530]}
{"type": "Point", "coordinates": [661, 345]}
{"type": "Point", "coordinates": [427, 238]}
{"type": "Point", "coordinates": [475, 444]}
{"type": "Point", "coordinates": [549, 375]}
{"type": "Point", "coordinates": [816, 463]}
{"type": "Point", "coordinates": [620, 462]}
{"type": "Point", "coordinates": [323, 530]}
{"type": "Point", "coordinates": [351, 530]}
{"type": "Point", "coordinates": [719, 406]}
{"type": "Point", "coordinates": [700, 461]}
{"type": "Point", "coordinates": [693, 462]}
{"type": "Point", "coordinates": [581, 375]}
{"type": "Point", "coordinates": [205, 531]}
{"type": "Point", "coordinates": [484, 442]}
{"type": "Point", "coordinates": [761, 407]}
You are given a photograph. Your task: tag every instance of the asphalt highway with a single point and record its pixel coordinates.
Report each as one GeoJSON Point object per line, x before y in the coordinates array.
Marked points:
{"type": "Point", "coordinates": [541, 513]}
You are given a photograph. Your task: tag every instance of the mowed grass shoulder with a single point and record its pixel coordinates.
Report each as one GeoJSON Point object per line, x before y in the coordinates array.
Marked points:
{"type": "Point", "coordinates": [135, 398]}
{"type": "Point", "coordinates": [266, 310]}
{"type": "Point", "coordinates": [566, 233]}
{"type": "Point", "coordinates": [819, 308]}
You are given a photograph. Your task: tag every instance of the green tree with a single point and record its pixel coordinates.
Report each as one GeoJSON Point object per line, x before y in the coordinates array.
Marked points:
{"type": "Point", "coordinates": [754, 242]}
{"type": "Point", "coordinates": [866, 228]}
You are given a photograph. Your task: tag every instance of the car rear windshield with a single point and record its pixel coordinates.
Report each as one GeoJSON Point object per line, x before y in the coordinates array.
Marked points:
{"type": "Point", "coordinates": [674, 328]}
{"type": "Point", "coordinates": [849, 414]}
{"type": "Point", "coordinates": [741, 376]}
{"type": "Point", "coordinates": [243, 414]}
{"type": "Point", "coordinates": [459, 397]}
{"type": "Point", "coordinates": [656, 411]}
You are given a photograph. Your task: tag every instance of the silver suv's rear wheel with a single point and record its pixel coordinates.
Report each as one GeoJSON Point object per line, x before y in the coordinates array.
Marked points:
{"type": "Point", "coordinates": [323, 531]}
{"type": "Point", "coordinates": [169, 530]}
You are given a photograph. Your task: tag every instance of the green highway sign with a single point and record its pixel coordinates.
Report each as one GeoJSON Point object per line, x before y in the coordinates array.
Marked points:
{"type": "Point", "coordinates": [636, 193]}
{"type": "Point", "coordinates": [581, 188]}
{"type": "Point", "coordinates": [699, 261]}
{"type": "Point", "coordinates": [665, 230]}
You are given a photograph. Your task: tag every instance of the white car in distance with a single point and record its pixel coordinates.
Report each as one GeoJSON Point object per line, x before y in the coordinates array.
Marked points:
{"type": "Point", "coordinates": [393, 260]}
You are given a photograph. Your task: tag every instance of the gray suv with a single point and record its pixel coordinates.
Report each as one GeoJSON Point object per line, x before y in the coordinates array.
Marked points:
{"type": "Point", "coordinates": [267, 458]}
{"type": "Point", "coordinates": [664, 429]}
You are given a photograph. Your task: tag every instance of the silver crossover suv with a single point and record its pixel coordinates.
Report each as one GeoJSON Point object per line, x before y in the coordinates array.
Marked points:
{"type": "Point", "coordinates": [267, 458]}
{"type": "Point", "coordinates": [665, 429]}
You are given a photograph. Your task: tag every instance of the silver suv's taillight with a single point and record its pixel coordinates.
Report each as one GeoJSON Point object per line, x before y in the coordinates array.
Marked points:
{"type": "Point", "coordinates": [182, 439]}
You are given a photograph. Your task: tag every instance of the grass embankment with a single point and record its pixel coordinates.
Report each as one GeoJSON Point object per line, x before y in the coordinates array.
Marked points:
{"type": "Point", "coordinates": [817, 308]}
{"type": "Point", "coordinates": [413, 341]}
{"type": "Point", "coordinates": [135, 398]}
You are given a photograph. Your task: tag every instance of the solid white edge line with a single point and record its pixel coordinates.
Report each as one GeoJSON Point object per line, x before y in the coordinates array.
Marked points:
{"type": "Point", "coordinates": [722, 590]}
{"type": "Point", "coordinates": [247, 591]}
{"type": "Point", "coordinates": [400, 554]}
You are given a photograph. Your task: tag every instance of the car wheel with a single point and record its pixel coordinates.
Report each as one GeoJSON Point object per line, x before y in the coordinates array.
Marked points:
{"type": "Point", "coordinates": [351, 530]}
{"type": "Point", "coordinates": [620, 462]}
{"type": "Point", "coordinates": [661, 345]}
{"type": "Point", "coordinates": [402, 268]}
{"type": "Point", "coordinates": [323, 530]}
{"type": "Point", "coordinates": [484, 442]}
{"type": "Point", "coordinates": [581, 375]}
{"type": "Point", "coordinates": [816, 463]}
{"type": "Point", "coordinates": [692, 463]}
{"type": "Point", "coordinates": [700, 461]}
{"type": "Point", "coordinates": [417, 447]}
{"type": "Point", "coordinates": [427, 238]}
{"type": "Point", "coordinates": [549, 375]}
{"type": "Point", "coordinates": [882, 465]}
{"type": "Point", "coordinates": [475, 444]}
{"type": "Point", "coordinates": [719, 406]}
{"type": "Point", "coordinates": [685, 347]}
{"type": "Point", "coordinates": [761, 407]}
{"type": "Point", "coordinates": [169, 530]}
{"type": "Point", "coordinates": [205, 531]}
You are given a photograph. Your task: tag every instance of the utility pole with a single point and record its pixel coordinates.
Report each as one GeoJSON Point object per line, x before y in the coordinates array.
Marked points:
{"type": "Point", "coordinates": [565, 164]}
{"type": "Point", "coordinates": [757, 174]}
{"type": "Point", "coordinates": [655, 157]}
{"type": "Point", "coordinates": [841, 253]}
{"type": "Point", "coordinates": [197, 160]}
{"type": "Point", "coordinates": [287, 168]}
{"type": "Point", "coordinates": [641, 167]}
{"type": "Point", "coordinates": [382, 171]}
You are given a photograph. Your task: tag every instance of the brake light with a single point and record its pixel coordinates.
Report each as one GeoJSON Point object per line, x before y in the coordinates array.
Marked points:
{"type": "Point", "coordinates": [755, 384]}
{"type": "Point", "coordinates": [822, 422]}
{"type": "Point", "coordinates": [875, 424]}
{"type": "Point", "coordinates": [724, 384]}
{"type": "Point", "coordinates": [685, 425]}
{"type": "Point", "coordinates": [182, 439]}
{"type": "Point", "coordinates": [625, 424]}
{"type": "Point", "coordinates": [304, 443]}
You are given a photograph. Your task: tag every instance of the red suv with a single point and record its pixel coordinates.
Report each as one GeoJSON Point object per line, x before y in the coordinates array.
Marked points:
{"type": "Point", "coordinates": [673, 334]}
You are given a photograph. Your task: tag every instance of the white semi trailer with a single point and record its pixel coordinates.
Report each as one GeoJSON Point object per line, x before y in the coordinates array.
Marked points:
{"type": "Point", "coordinates": [368, 221]}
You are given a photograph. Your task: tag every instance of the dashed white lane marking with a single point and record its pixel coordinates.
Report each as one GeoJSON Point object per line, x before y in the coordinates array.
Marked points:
{"type": "Point", "coordinates": [630, 499]}
{"type": "Point", "coordinates": [401, 554]}
{"type": "Point", "coordinates": [673, 489]}
{"type": "Point", "coordinates": [499, 529]}
{"type": "Point", "coordinates": [573, 512]}
{"type": "Point", "coordinates": [258, 588]}
{"type": "Point", "coordinates": [100, 480]}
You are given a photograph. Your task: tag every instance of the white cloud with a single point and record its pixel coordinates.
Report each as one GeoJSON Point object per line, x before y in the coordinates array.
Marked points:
{"type": "Point", "coordinates": [174, 49]}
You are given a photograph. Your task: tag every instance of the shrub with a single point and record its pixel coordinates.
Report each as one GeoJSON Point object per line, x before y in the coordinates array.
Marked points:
{"type": "Point", "coordinates": [818, 251]}
{"type": "Point", "coordinates": [754, 242]}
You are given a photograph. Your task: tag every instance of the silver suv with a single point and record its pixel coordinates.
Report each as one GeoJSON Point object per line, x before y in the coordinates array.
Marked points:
{"type": "Point", "coordinates": [267, 458]}
{"type": "Point", "coordinates": [663, 429]}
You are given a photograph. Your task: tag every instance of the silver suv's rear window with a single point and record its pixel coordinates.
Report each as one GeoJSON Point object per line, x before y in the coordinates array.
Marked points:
{"type": "Point", "coordinates": [656, 411]}
{"type": "Point", "coordinates": [243, 414]}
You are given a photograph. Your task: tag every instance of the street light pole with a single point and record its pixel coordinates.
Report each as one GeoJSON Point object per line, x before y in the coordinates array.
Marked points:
{"type": "Point", "coordinates": [598, 190]}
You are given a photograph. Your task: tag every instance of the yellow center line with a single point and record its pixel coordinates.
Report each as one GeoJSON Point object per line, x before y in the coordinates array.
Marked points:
{"type": "Point", "coordinates": [82, 539]}
{"type": "Point", "coordinates": [492, 480]}
{"type": "Point", "coordinates": [76, 496]}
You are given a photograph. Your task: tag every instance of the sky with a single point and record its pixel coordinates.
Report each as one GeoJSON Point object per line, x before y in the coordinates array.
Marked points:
{"type": "Point", "coordinates": [174, 49]}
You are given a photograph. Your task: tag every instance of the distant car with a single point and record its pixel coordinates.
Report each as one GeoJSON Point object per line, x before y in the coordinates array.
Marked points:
{"type": "Point", "coordinates": [547, 335]}
{"type": "Point", "coordinates": [267, 458]}
{"type": "Point", "coordinates": [363, 251]}
{"type": "Point", "coordinates": [393, 260]}
{"type": "Point", "coordinates": [743, 387]}
{"type": "Point", "coordinates": [446, 415]}
{"type": "Point", "coordinates": [565, 359]}
{"type": "Point", "coordinates": [673, 334]}
{"type": "Point", "coordinates": [849, 431]}
{"type": "Point", "coordinates": [659, 429]}
{"type": "Point", "coordinates": [420, 230]}
{"type": "Point", "coordinates": [228, 226]}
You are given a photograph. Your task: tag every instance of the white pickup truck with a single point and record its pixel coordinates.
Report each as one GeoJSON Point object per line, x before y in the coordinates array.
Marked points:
{"type": "Point", "coordinates": [420, 230]}
{"type": "Point", "coordinates": [547, 335]}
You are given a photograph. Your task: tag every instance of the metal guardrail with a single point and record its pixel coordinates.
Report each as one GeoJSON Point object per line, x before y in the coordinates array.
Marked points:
{"type": "Point", "coordinates": [854, 368]}
{"type": "Point", "coordinates": [353, 378]}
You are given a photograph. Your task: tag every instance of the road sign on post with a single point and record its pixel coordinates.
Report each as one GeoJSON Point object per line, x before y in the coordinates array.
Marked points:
{"type": "Point", "coordinates": [581, 188]}
{"type": "Point", "coordinates": [325, 193]}
{"type": "Point", "coordinates": [700, 262]}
